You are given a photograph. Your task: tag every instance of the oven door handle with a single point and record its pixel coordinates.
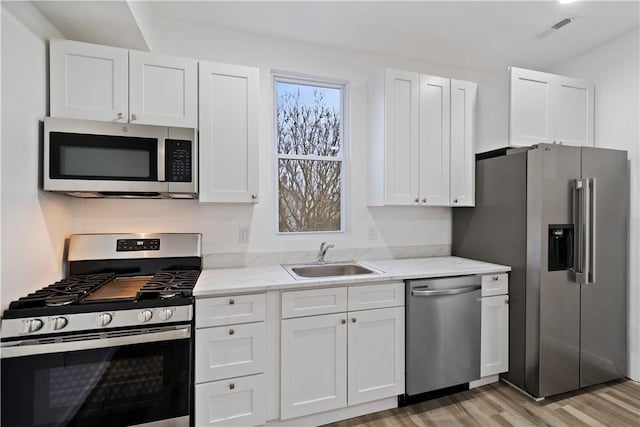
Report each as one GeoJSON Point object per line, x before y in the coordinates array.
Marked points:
{"type": "Point", "coordinates": [25, 349]}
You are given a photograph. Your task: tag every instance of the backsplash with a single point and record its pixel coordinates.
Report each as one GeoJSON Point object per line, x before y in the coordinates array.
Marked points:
{"type": "Point", "coordinates": [226, 260]}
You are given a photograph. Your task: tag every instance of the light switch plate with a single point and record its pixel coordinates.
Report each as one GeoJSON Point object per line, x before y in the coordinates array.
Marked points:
{"type": "Point", "coordinates": [243, 235]}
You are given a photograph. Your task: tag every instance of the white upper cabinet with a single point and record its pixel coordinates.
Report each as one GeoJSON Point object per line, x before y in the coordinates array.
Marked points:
{"type": "Point", "coordinates": [573, 111]}
{"type": "Point", "coordinates": [104, 83]}
{"type": "Point", "coordinates": [163, 90]}
{"type": "Point", "coordinates": [400, 137]}
{"type": "Point", "coordinates": [463, 165]}
{"type": "Point", "coordinates": [412, 123]}
{"type": "Point", "coordinates": [228, 133]}
{"type": "Point", "coordinates": [526, 107]}
{"type": "Point", "coordinates": [434, 140]}
{"type": "Point", "coordinates": [88, 81]}
{"type": "Point", "coordinates": [530, 107]}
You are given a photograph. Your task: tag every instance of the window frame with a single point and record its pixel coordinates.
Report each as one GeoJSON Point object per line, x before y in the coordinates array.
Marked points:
{"type": "Point", "coordinates": [328, 82]}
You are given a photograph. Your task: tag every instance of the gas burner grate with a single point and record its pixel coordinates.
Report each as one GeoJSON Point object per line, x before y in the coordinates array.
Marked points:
{"type": "Point", "coordinates": [168, 284]}
{"type": "Point", "coordinates": [63, 292]}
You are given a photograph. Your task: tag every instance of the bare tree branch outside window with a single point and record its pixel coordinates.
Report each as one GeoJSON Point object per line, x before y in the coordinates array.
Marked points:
{"type": "Point", "coordinates": [309, 139]}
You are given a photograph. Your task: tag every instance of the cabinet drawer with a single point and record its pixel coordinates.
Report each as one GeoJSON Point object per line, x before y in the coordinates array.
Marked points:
{"type": "Point", "coordinates": [230, 351]}
{"type": "Point", "coordinates": [495, 284]}
{"type": "Point", "coordinates": [376, 296]}
{"type": "Point", "coordinates": [235, 402]}
{"type": "Point", "coordinates": [314, 301]}
{"type": "Point", "coordinates": [230, 310]}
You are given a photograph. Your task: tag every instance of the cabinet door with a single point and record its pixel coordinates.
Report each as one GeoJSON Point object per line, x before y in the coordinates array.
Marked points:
{"type": "Point", "coordinates": [88, 81]}
{"type": "Point", "coordinates": [494, 338]}
{"type": "Point", "coordinates": [163, 90]}
{"type": "Point", "coordinates": [434, 140]}
{"type": "Point", "coordinates": [230, 351]}
{"type": "Point", "coordinates": [376, 354]}
{"type": "Point", "coordinates": [402, 90]}
{"type": "Point", "coordinates": [530, 107]}
{"type": "Point", "coordinates": [314, 361]}
{"type": "Point", "coordinates": [573, 111]}
{"type": "Point", "coordinates": [235, 402]}
{"type": "Point", "coordinates": [463, 108]}
{"type": "Point", "coordinates": [228, 133]}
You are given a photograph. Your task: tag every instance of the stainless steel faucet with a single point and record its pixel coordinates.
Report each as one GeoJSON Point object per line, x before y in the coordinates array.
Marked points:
{"type": "Point", "coordinates": [323, 251]}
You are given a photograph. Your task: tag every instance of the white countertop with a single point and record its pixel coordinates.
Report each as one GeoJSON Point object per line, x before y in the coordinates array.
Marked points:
{"type": "Point", "coordinates": [221, 281]}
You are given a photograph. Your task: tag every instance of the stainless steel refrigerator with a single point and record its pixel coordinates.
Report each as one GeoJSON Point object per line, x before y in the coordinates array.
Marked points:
{"type": "Point", "coordinates": [558, 215]}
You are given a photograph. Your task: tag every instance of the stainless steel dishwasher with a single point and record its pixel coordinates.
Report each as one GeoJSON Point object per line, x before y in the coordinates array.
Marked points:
{"type": "Point", "coordinates": [442, 333]}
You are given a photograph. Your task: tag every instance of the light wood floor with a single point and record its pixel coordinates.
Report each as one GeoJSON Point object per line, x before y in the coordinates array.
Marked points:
{"type": "Point", "coordinates": [614, 404]}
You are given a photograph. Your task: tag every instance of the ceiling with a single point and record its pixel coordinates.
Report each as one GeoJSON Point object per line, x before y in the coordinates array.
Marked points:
{"type": "Point", "coordinates": [477, 35]}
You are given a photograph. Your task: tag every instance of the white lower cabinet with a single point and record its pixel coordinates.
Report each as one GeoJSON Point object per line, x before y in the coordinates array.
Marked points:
{"type": "Point", "coordinates": [494, 347]}
{"type": "Point", "coordinates": [336, 360]}
{"type": "Point", "coordinates": [230, 351]}
{"type": "Point", "coordinates": [314, 365]}
{"type": "Point", "coordinates": [376, 354]}
{"type": "Point", "coordinates": [235, 402]}
{"type": "Point", "coordinates": [230, 361]}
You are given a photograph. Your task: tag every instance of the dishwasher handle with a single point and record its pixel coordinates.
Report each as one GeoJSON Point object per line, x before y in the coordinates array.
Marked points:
{"type": "Point", "coordinates": [437, 292]}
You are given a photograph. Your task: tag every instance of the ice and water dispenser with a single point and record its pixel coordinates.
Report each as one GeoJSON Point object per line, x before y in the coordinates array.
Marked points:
{"type": "Point", "coordinates": [560, 247]}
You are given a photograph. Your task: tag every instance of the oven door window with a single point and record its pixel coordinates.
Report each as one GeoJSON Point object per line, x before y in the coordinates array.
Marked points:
{"type": "Point", "coordinates": [118, 386]}
{"type": "Point", "coordinates": [102, 157]}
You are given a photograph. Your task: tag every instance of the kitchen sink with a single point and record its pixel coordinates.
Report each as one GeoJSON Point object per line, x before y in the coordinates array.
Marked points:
{"type": "Point", "coordinates": [307, 271]}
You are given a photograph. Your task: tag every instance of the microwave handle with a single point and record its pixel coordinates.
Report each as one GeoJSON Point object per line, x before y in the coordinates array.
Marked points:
{"type": "Point", "coordinates": [161, 161]}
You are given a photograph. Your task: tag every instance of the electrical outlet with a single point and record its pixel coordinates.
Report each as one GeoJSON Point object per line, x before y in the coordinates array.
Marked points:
{"type": "Point", "coordinates": [243, 235]}
{"type": "Point", "coordinates": [372, 232]}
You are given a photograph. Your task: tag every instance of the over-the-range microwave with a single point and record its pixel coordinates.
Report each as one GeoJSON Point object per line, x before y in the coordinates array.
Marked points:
{"type": "Point", "coordinates": [86, 158]}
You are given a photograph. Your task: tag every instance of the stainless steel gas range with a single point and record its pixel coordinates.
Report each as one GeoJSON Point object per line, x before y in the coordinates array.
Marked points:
{"type": "Point", "coordinates": [109, 345]}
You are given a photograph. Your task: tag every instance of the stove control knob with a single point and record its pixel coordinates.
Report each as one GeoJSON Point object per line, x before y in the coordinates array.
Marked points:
{"type": "Point", "coordinates": [165, 313]}
{"type": "Point", "coordinates": [58, 323]}
{"type": "Point", "coordinates": [32, 325]}
{"type": "Point", "coordinates": [103, 319]}
{"type": "Point", "coordinates": [145, 315]}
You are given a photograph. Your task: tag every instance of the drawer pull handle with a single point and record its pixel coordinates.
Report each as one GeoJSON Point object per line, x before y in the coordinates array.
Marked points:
{"type": "Point", "coordinates": [231, 302]}
{"type": "Point", "coordinates": [353, 320]}
{"type": "Point", "coordinates": [231, 332]}
{"type": "Point", "coordinates": [232, 386]}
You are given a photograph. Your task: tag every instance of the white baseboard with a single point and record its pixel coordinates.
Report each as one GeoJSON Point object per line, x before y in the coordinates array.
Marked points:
{"type": "Point", "coordinates": [338, 414]}
{"type": "Point", "coordinates": [484, 381]}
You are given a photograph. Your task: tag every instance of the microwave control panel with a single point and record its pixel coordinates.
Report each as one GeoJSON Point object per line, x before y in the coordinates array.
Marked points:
{"type": "Point", "coordinates": [178, 160]}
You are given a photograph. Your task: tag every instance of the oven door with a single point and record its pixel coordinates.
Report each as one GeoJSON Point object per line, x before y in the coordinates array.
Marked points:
{"type": "Point", "coordinates": [117, 379]}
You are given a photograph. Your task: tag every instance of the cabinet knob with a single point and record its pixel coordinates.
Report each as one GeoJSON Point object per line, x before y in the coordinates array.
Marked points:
{"type": "Point", "coordinates": [254, 196]}
{"type": "Point", "coordinates": [120, 116]}
{"type": "Point", "coordinates": [424, 200]}
{"type": "Point", "coordinates": [231, 332]}
{"type": "Point", "coordinates": [231, 302]}
{"type": "Point", "coordinates": [506, 301]}
{"type": "Point", "coordinates": [353, 320]}
{"type": "Point", "coordinates": [232, 386]}
{"type": "Point", "coordinates": [343, 321]}
{"type": "Point", "coordinates": [133, 117]}
{"type": "Point", "coordinates": [495, 278]}
{"type": "Point", "coordinates": [417, 199]}
{"type": "Point", "coordinates": [455, 200]}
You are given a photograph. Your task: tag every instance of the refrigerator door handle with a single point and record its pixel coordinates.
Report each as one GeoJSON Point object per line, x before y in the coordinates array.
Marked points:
{"type": "Point", "coordinates": [591, 227]}
{"type": "Point", "coordinates": [580, 267]}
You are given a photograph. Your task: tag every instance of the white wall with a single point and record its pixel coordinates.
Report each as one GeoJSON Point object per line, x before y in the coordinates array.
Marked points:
{"type": "Point", "coordinates": [395, 227]}
{"type": "Point", "coordinates": [34, 224]}
{"type": "Point", "coordinates": [614, 67]}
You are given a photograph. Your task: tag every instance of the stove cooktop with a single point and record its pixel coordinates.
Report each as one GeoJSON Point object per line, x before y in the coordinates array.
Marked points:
{"type": "Point", "coordinates": [78, 294]}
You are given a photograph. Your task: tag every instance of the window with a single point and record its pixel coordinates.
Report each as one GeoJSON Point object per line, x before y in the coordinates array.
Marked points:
{"type": "Point", "coordinates": [310, 155]}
